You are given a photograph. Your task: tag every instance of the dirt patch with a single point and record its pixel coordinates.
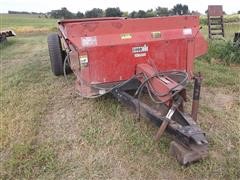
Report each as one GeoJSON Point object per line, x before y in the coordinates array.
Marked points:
{"type": "Point", "coordinates": [218, 100]}
{"type": "Point", "coordinates": [61, 122]}
{"type": "Point", "coordinates": [224, 101]}
{"type": "Point", "coordinates": [62, 127]}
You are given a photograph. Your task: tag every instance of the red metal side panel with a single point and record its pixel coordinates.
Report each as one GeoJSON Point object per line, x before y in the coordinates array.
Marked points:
{"type": "Point", "coordinates": [116, 63]}
{"type": "Point", "coordinates": [115, 47]}
{"type": "Point", "coordinates": [201, 46]}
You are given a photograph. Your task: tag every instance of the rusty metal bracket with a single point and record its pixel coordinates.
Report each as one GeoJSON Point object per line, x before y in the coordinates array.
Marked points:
{"type": "Point", "coordinates": [162, 128]}
{"type": "Point", "coordinates": [196, 95]}
{"type": "Point", "coordinates": [168, 117]}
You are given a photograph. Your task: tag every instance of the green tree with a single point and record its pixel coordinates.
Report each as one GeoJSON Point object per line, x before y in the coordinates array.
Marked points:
{"type": "Point", "coordinates": [113, 12]}
{"type": "Point", "coordinates": [55, 14]}
{"type": "Point", "coordinates": [133, 14]}
{"type": "Point", "coordinates": [161, 11]}
{"type": "Point", "coordinates": [141, 14]}
{"type": "Point", "coordinates": [61, 13]}
{"type": "Point", "coordinates": [180, 9]}
{"type": "Point", "coordinates": [95, 12]}
{"type": "Point", "coordinates": [66, 14]}
{"type": "Point", "coordinates": [151, 13]}
{"type": "Point", "coordinates": [80, 15]}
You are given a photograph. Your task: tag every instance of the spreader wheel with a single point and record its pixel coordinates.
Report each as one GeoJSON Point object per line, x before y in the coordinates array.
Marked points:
{"type": "Point", "coordinates": [56, 54]}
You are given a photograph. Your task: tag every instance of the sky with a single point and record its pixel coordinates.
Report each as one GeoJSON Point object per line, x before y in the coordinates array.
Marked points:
{"type": "Point", "coordinates": [229, 6]}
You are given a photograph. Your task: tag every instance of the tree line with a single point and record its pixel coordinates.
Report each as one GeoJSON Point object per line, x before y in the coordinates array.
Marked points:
{"type": "Point", "coordinates": [64, 13]}
{"type": "Point", "coordinates": [25, 12]}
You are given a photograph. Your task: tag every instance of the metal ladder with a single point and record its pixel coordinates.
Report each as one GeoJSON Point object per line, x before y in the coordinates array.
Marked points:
{"type": "Point", "coordinates": [215, 22]}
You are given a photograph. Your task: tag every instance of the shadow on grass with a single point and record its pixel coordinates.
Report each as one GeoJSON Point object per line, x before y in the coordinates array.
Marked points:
{"type": "Point", "coordinates": [7, 43]}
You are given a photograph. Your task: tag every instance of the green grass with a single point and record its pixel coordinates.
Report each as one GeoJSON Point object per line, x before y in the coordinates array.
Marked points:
{"type": "Point", "coordinates": [26, 23]}
{"type": "Point", "coordinates": [224, 51]}
{"type": "Point", "coordinates": [220, 75]}
{"type": "Point", "coordinates": [24, 96]}
{"type": "Point", "coordinates": [30, 161]}
{"type": "Point", "coordinates": [234, 18]}
{"type": "Point", "coordinates": [229, 29]}
{"type": "Point", "coordinates": [48, 132]}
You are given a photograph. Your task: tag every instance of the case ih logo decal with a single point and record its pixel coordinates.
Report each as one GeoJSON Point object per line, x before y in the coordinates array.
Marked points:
{"type": "Point", "coordinates": [140, 51]}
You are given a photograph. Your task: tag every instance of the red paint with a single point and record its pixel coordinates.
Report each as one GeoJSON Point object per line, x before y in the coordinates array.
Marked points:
{"type": "Point", "coordinates": [162, 85]}
{"type": "Point", "coordinates": [110, 58]}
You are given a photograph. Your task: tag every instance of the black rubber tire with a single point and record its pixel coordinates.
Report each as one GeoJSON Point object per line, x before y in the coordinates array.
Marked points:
{"type": "Point", "coordinates": [3, 38]}
{"type": "Point", "coordinates": [56, 54]}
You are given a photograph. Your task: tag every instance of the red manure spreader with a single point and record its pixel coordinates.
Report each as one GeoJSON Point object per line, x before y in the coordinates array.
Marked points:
{"type": "Point", "coordinates": [144, 63]}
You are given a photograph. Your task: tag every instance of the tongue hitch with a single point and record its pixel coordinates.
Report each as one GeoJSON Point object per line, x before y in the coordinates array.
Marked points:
{"type": "Point", "coordinates": [167, 89]}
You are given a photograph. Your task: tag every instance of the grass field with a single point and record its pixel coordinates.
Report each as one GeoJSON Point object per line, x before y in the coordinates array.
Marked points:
{"type": "Point", "coordinates": [230, 29]}
{"type": "Point", "coordinates": [234, 18]}
{"type": "Point", "coordinates": [49, 132]}
{"type": "Point", "coordinates": [27, 23]}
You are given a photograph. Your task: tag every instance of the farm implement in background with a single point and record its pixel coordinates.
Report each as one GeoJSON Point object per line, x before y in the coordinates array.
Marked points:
{"type": "Point", "coordinates": [236, 39]}
{"type": "Point", "coordinates": [5, 34]}
{"type": "Point", "coordinates": [215, 21]}
{"type": "Point", "coordinates": [145, 63]}
{"type": "Point", "coordinates": [216, 24]}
